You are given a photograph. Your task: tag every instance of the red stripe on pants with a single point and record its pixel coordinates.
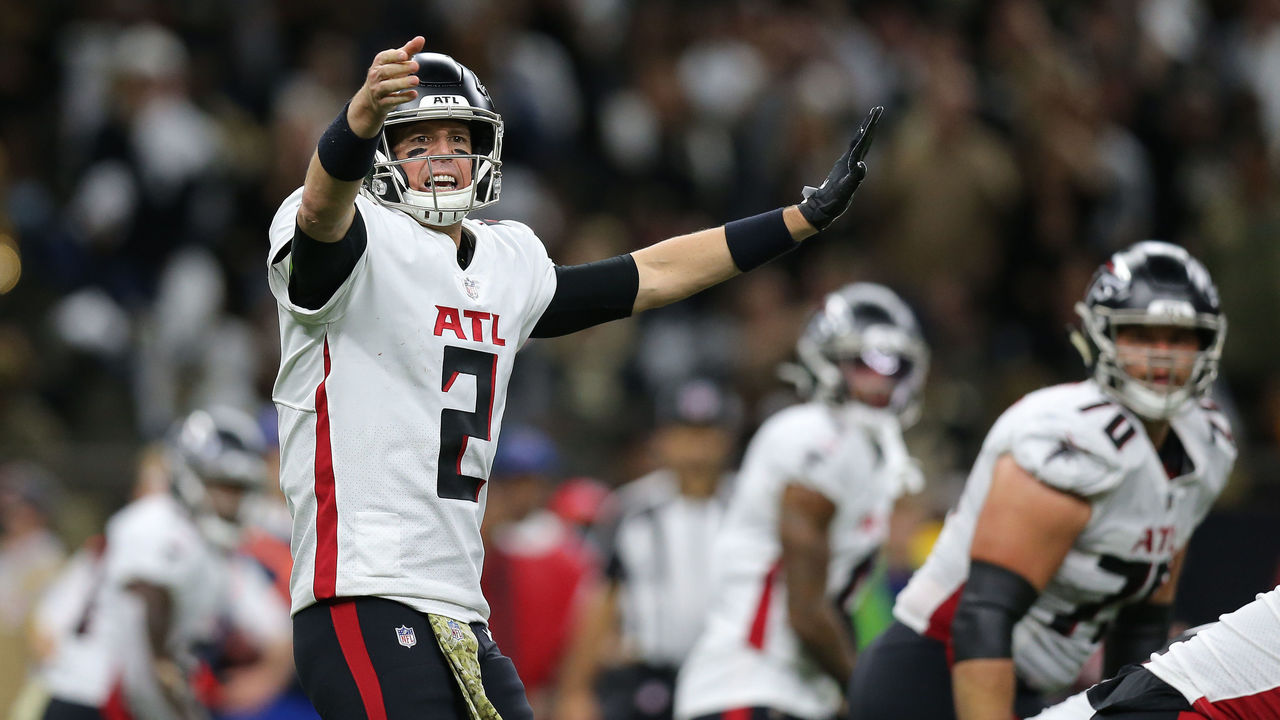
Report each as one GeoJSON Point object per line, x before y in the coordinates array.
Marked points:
{"type": "Point", "coordinates": [325, 580]}
{"type": "Point", "coordinates": [346, 623]}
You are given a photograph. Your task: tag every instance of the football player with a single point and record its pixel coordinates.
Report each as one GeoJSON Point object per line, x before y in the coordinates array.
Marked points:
{"type": "Point", "coordinates": [809, 511]}
{"type": "Point", "coordinates": [1074, 520]}
{"type": "Point", "coordinates": [400, 320]}
{"type": "Point", "coordinates": [1228, 669]}
{"type": "Point", "coordinates": [165, 586]}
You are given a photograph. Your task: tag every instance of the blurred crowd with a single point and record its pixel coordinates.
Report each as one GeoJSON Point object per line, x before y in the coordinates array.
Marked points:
{"type": "Point", "coordinates": [145, 145]}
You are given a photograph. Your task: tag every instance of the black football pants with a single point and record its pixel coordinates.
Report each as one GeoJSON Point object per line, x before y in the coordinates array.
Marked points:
{"type": "Point", "coordinates": [375, 659]}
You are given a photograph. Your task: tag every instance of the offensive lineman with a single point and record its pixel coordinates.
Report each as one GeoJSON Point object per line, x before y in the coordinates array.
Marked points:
{"type": "Point", "coordinates": [808, 514]}
{"type": "Point", "coordinates": [399, 324]}
{"type": "Point", "coordinates": [1075, 518]}
{"type": "Point", "coordinates": [1229, 669]}
{"type": "Point", "coordinates": [127, 626]}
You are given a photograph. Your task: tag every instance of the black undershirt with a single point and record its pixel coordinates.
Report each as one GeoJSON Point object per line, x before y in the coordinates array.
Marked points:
{"type": "Point", "coordinates": [586, 295]}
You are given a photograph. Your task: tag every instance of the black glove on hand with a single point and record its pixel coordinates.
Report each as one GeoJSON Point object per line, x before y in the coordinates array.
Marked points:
{"type": "Point", "coordinates": [823, 204]}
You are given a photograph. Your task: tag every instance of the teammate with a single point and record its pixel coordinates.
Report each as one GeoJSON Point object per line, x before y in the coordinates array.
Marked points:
{"type": "Point", "coordinates": [399, 322]}
{"type": "Point", "coordinates": [128, 622]}
{"type": "Point", "coordinates": [809, 511]}
{"type": "Point", "coordinates": [1075, 518]}
{"type": "Point", "coordinates": [1228, 669]}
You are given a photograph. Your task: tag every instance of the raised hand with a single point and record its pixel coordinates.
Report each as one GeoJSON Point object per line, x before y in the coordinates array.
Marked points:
{"type": "Point", "coordinates": [388, 83]}
{"type": "Point", "coordinates": [823, 204]}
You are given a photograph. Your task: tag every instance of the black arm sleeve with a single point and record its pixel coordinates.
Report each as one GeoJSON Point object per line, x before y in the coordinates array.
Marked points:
{"type": "Point", "coordinates": [1138, 631]}
{"type": "Point", "coordinates": [320, 268]}
{"type": "Point", "coordinates": [993, 600]}
{"type": "Point", "coordinates": [590, 294]}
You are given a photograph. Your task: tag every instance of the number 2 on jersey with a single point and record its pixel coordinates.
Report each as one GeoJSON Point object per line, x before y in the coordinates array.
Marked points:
{"type": "Point", "coordinates": [457, 427]}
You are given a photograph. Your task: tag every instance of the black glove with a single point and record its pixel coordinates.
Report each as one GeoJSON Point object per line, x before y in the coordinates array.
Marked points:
{"type": "Point", "coordinates": [823, 204]}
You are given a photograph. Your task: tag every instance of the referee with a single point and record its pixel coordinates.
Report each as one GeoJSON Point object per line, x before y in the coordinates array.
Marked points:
{"type": "Point", "coordinates": [639, 628]}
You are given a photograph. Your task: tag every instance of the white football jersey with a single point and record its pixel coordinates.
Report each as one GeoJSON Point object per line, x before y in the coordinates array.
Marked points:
{"type": "Point", "coordinates": [391, 398]}
{"type": "Point", "coordinates": [1230, 669]}
{"type": "Point", "coordinates": [748, 655]}
{"type": "Point", "coordinates": [94, 618]}
{"type": "Point", "coordinates": [1077, 439]}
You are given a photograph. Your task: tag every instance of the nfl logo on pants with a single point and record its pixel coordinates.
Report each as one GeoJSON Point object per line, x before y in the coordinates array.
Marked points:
{"type": "Point", "coordinates": [406, 637]}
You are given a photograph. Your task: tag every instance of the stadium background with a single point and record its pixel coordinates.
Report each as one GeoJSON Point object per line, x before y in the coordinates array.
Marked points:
{"type": "Point", "coordinates": [146, 144]}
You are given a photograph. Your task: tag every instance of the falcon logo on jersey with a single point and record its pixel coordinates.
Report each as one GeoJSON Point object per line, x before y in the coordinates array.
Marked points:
{"type": "Point", "coordinates": [450, 319]}
{"type": "Point", "coordinates": [406, 637]}
{"type": "Point", "coordinates": [1065, 449]}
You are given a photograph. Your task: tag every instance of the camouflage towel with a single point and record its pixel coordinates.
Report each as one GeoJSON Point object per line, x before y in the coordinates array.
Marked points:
{"type": "Point", "coordinates": [459, 645]}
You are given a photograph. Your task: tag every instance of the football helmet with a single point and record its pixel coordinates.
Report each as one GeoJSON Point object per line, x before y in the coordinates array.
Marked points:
{"type": "Point", "coordinates": [869, 324]}
{"type": "Point", "coordinates": [446, 89]}
{"type": "Point", "coordinates": [216, 446]}
{"type": "Point", "coordinates": [1151, 283]}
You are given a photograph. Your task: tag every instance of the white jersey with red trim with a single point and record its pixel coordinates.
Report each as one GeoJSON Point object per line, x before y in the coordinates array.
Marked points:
{"type": "Point", "coordinates": [1230, 670]}
{"type": "Point", "coordinates": [1078, 439]}
{"type": "Point", "coordinates": [96, 623]}
{"type": "Point", "coordinates": [748, 655]}
{"type": "Point", "coordinates": [391, 398]}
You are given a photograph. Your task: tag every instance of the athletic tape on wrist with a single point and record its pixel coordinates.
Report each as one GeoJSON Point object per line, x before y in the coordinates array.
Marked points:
{"type": "Point", "coordinates": [343, 154]}
{"type": "Point", "coordinates": [755, 240]}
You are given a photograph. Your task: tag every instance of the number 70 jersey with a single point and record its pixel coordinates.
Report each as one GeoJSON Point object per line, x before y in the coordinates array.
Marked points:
{"type": "Point", "coordinates": [390, 399]}
{"type": "Point", "coordinates": [1077, 439]}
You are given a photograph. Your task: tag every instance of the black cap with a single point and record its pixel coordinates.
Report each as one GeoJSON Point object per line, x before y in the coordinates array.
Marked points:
{"type": "Point", "coordinates": [699, 402]}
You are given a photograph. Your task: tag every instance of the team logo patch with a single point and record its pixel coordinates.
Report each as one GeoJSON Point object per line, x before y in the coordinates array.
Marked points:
{"type": "Point", "coordinates": [455, 632]}
{"type": "Point", "coordinates": [472, 287]}
{"type": "Point", "coordinates": [406, 637]}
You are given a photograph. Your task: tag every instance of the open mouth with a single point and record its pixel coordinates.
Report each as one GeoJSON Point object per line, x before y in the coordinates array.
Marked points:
{"type": "Point", "coordinates": [441, 182]}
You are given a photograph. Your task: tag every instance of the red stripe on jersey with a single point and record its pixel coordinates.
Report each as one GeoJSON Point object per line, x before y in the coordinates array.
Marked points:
{"type": "Point", "coordinates": [1265, 704]}
{"type": "Point", "coordinates": [736, 714]}
{"type": "Point", "coordinates": [940, 623]}
{"type": "Point", "coordinates": [756, 637]}
{"type": "Point", "coordinates": [346, 624]}
{"type": "Point", "coordinates": [325, 580]}
{"type": "Point", "coordinates": [115, 708]}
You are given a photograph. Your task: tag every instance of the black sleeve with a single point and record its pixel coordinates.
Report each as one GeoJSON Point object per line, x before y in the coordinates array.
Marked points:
{"type": "Point", "coordinates": [994, 599]}
{"type": "Point", "coordinates": [320, 268]}
{"type": "Point", "coordinates": [1138, 631]}
{"type": "Point", "coordinates": [590, 294]}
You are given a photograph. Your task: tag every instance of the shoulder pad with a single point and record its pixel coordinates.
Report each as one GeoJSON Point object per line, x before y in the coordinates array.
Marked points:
{"type": "Point", "coordinates": [1074, 448]}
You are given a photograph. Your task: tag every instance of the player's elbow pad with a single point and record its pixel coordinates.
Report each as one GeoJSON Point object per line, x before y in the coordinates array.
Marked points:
{"type": "Point", "coordinates": [993, 600]}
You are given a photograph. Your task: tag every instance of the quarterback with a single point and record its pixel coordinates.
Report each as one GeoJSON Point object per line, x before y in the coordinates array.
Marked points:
{"type": "Point", "coordinates": [1074, 520]}
{"type": "Point", "coordinates": [400, 319]}
{"type": "Point", "coordinates": [809, 511]}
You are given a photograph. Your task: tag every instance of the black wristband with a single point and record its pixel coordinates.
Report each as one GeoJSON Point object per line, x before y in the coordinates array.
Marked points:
{"type": "Point", "coordinates": [755, 240]}
{"type": "Point", "coordinates": [343, 154]}
{"type": "Point", "coordinates": [993, 601]}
